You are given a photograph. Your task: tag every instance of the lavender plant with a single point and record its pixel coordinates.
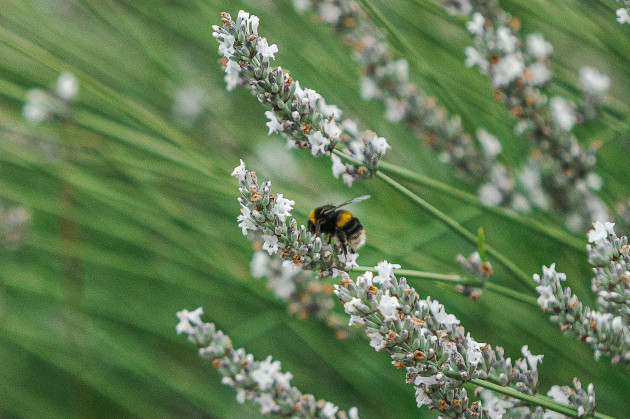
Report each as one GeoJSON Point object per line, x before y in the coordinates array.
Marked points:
{"type": "Point", "coordinates": [361, 147]}
{"type": "Point", "coordinates": [439, 357]}
{"type": "Point", "coordinates": [437, 353]}
{"type": "Point", "coordinates": [539, 181]}
{"type": "Point", "coordinates": [302, 116]}
{"type": "Point", "coordinates": [559, 175]}
{"type": "Point", "coordinates": [387, 79]}
{"type": "Point", "coordinates": [607, 327]}
{"type": "Point", "coordinates": [266, 217]}
{"type": "Point", "coordinates": [260, 382]}
{"type": "Point", "coordinates": [420, 336]}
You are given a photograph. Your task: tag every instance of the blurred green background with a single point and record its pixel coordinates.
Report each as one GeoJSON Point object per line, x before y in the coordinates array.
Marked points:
{"type": "Point", "coordinates": [134, 211]}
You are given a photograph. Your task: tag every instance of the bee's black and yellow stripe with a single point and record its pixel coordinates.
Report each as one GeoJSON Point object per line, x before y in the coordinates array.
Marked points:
{"type": "Point", "coordinates": [348, 223]}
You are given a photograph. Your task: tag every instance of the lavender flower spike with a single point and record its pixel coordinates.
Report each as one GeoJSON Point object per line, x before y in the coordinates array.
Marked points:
{"type": "Point", "coordinates": [302, 116]}
{"type": "Point", "coordinates": [266, 217]}
{"type": "Point", "coordinates": [261, 382]}
{"type": "Point", "coordinates": [437, 353]}
{"type": "Point", "coordinates": [606, 328]}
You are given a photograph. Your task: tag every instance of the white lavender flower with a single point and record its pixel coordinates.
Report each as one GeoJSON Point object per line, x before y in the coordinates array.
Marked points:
{"type": "Point", "coordinates": [600, 231]}
{"type": "Point", "coordinates": [607, 328]}
{"type": "Point", "coordinates": [267, 218]}
{"type": "Point", "coordinates": [475, 26]}
{"type": "Point", "coordinates": [385, 271]}
{"type": "Point", "coordinates": [518, 67]}
{"type": "Point", "coordinates": [489, 194]}
{"type": "Point", "coordinates": [188, 320]}
{"type": "Point", "coordinates": [506, 41]}
{"type": "Point", "coordinates": [489, 143]}
{"type": "Point", "coordinates": [437, 353]}
{"type": "Point", "coordinates": [563, 113]}
{"type": "Point", "coordinates": [300, 114]}
{"type": "Point", "coordinates": [508, 69]}
{"type": "Point", "coordinates": [261, 382]}
{"type": "Point", "coordinates": [575, 397]}
{"type": "Point", "coordinates": [539, 73]}
{"type": "Point", "coordinates": [282, 207]}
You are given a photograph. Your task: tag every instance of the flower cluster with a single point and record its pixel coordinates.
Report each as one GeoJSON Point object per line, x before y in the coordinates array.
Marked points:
{"type": "Point", "coordinates": [576, 397]}
{"type": "Point", "coordinates": [42, 105]}
{"type": "Point", "coordinates": [623, 13]}
{"type": "Point", "coordinates": [308, 297]}
{"type": "Point", "coordinates": [266, 217]}
{"type": "Point", "coordinates": [13, 221]}
{"type": "Point", "coordinates": [437, 353]}
{"type": "Point", "coordinates": [519, 70]}
{"type": "Point", "coordinates": [302, 116]}
{"type": "Point", "coordinates": [610, 257]}
{"type": "Point", "coordinates": [261, 382]}
{"type": "Point", "coordinates": [478, 268]}
{"type": "Point", "coordinates": [606, 329]}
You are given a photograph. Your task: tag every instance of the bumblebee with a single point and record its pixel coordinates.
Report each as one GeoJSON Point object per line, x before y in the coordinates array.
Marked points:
{"type": "Point", "coordinates": [342, 224]}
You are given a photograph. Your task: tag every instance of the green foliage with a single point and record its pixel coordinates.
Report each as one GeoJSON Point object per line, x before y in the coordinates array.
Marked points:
{"type": "Point", "coordinates": [134, 213]}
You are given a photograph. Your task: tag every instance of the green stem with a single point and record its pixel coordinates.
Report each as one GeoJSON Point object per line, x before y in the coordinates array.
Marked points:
{"type": "Point", "coordinates": [471, 199]}
{"type": "Point", "coordinates": [538, 400]}
{"type": "Point", "coordinates": [458, 228]}
{"type": "Point", "coordinates": [447, 278]}
{"type": "Point", "coordinates": [509, 292]}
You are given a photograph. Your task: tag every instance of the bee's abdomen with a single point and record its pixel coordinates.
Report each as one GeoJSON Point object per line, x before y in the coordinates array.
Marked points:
{"type": "Point", "coordinates": [351, 227]}
{"type": "Point", "coordinates": [355, 235]}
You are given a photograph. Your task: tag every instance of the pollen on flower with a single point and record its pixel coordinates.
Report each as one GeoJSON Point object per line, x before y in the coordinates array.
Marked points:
{"type": "Point", "coordinates": [255, 196]}
{"type": "Point", "coordinates": [398, 364]}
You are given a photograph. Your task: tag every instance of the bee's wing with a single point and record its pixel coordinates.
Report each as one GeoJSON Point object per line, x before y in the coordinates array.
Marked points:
{"type": "Point", "coordinates": [352, 201]}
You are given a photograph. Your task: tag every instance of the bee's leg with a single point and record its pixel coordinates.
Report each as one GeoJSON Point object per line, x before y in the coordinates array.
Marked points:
{"type": "Point", "coordinates": [317, 226]}
{"type": "Point", "coordinates": [342, 240]}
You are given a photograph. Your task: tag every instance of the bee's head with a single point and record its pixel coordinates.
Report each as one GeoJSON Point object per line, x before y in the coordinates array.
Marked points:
{"type": "Point", "coordinates": [312, 219]}
{"type": "Point", "coordinates": [316, 215]}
